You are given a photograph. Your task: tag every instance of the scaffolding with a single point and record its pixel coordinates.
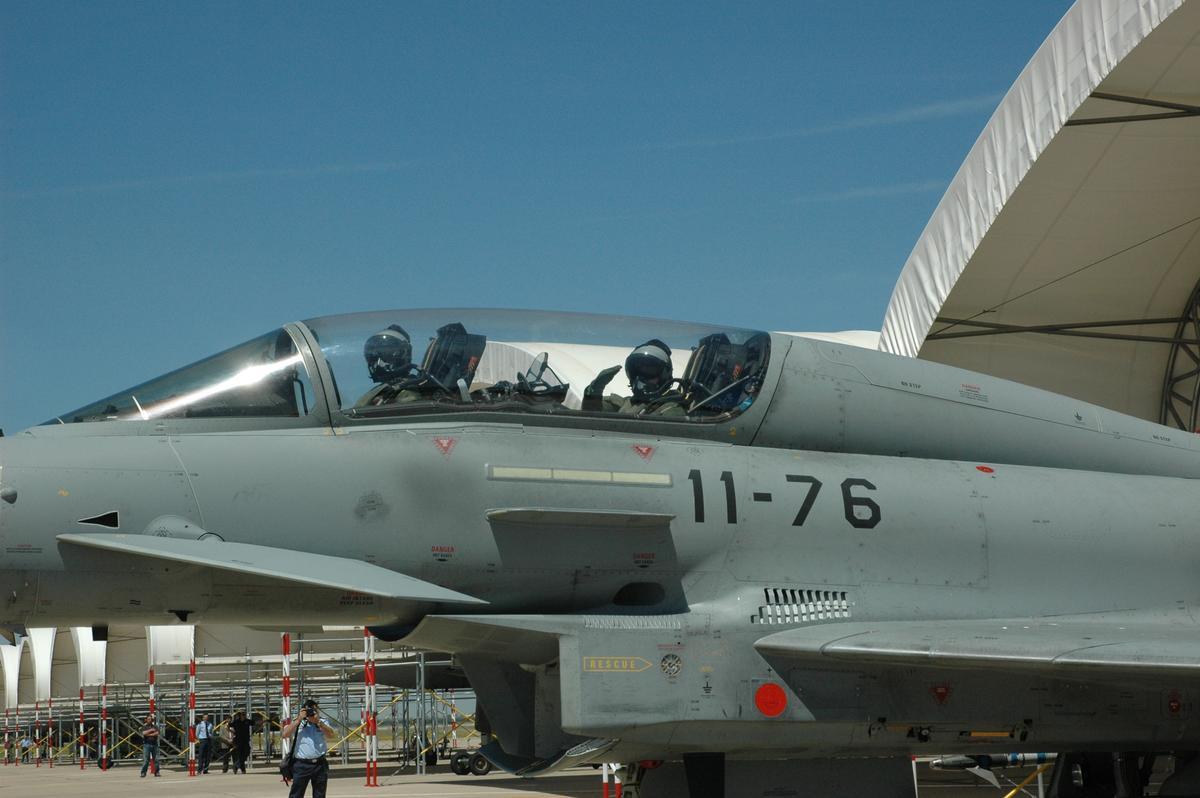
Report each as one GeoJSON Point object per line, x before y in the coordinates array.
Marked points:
{"type": "Point", "coordinates": [412, 728]}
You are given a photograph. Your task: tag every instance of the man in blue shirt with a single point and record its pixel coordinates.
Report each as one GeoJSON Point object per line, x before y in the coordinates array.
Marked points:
{"type": "Point", "coordinates": [310, 734]}
{"type": "Point", "coordinates": [204, 739]}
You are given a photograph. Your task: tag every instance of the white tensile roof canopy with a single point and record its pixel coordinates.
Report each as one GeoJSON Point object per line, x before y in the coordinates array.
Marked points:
{"type": "Point", "coordinates": [1065, 253]}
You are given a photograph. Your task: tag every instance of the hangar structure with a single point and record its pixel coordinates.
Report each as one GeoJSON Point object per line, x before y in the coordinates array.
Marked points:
{"type": "Point", "coordinates": [1065, 253]}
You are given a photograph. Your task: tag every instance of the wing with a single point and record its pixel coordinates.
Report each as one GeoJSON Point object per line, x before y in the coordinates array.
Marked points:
{"type": "Point", "coordinates": [1078, 647]}
{"type": "Point", "coordinates": [301, 567]}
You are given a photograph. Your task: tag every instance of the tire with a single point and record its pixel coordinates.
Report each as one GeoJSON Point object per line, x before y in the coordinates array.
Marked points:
{"type": "Point", "coordinates": [480, 766]}
{"type": "Point", "coordinates": [460, 764]}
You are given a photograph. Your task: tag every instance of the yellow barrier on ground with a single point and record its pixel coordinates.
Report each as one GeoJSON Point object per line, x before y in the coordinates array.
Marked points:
{"type": "Point", "coordinates": [1028, 779]}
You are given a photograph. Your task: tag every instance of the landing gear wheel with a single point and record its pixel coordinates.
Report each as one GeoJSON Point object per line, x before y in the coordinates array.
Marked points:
{"type": "Point", "coordinates": [480, 766]}
{"type": "Point", "coordinates": [460, 764]}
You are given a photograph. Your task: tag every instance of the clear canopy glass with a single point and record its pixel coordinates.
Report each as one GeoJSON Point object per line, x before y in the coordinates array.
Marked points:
{"type": "Point", "coordinates": [265, 377]}
{"type": "Point", "coordinates": [472, 358]}
{"type": "Point", "coordinates": [404, 362]}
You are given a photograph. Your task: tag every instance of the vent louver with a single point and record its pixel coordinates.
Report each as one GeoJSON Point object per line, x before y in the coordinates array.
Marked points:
{"type": "Point", "coordinates": [797, 605]}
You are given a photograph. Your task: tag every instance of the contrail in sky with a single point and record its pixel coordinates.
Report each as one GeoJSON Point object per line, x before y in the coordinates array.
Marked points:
{"type": "Point", "coordinates": [849, 194]}
{"type": "Point", "coordinates": [212, 177]}
{"type": "Point", "coordinates": [900, 116]}
{"type": "Point", "coordinates": [872, 192]}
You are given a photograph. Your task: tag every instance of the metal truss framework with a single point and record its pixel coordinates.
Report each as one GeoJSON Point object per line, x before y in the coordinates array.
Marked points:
{"type": "Point", "coordinates": [1181, 382]}
{"type": "Point", "coordinates": [1180, 405]}
{"type": "Point", "coordinates": [1171, 110]}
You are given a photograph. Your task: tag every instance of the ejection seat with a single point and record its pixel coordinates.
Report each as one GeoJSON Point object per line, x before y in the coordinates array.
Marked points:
{"type": "Point", "coordinates": [450, 361]}
{"type": "Point", "coordinates": [721, 375]}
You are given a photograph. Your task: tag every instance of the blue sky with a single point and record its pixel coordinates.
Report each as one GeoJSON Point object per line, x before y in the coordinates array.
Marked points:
{"type": "Point", "coordinates": [178, 177]}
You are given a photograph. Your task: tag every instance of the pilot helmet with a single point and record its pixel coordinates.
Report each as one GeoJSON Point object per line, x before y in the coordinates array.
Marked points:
{"type": "Point", "coordinates": [388, 353]}
{"type": "Point", "coordinates": [649, 369]}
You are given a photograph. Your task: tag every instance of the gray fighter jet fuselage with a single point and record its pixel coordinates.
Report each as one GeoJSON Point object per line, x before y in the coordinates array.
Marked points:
{"type": "Point", "coordinates": [866, 556]}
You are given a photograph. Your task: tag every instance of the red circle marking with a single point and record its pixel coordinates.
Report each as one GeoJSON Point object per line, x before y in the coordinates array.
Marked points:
{"type": "Point", "coordinates": [985, 469]}
{"type": "Point", "coordinates": [770, 700]}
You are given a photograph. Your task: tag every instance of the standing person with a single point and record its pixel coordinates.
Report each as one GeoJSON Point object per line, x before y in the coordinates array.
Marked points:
{"type": "Point", "coordinates": [241, 740]}
{"type": "Point", "coordinates": [204, 740]}
{"type": "Point", "coordinates": [258, 721]}
{"type": "Point", "coordinates": [224, 743]}
{"type": "Point", "coordinates": [269, 724]}
{"type": "Point", "coordinates": [310, 765]}
{"type": "Point", "coordinates": [149, 745]}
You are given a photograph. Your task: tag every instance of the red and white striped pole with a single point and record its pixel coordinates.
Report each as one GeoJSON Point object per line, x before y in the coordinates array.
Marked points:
{"type": "Point", "coordinates": [606, 772]}
{"type": "Point", "coordinates": [37, 741]}
{"type": "Point", "coordinates": [49, 724]}
{"type": "Point", "coordinates": [103, 725]}
{"type": "Point", "coordinates": [152, 689]}
{"type": "Point", "coordinates": [370, 709]}
{"type": "Point", "coordinates": [82, 735]}
{"type": "Point", "coordinates": [285, 710]}
{"type": "Point", "coordinates": [192, 715]}
{"type": "Point", "coordinates": [6, 733]}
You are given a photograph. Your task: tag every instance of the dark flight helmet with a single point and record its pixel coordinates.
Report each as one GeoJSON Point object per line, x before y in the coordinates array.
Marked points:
{"type": "Point", "coordinates": [649, 369]}
{"type": "Point", "coordinates": [388, 353]}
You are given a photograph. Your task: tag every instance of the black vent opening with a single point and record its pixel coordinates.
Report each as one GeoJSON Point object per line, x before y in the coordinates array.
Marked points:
{"type": "Point", "coordinates": [109, 519]}
{"type": "Point", "coordinates": [640, 594]}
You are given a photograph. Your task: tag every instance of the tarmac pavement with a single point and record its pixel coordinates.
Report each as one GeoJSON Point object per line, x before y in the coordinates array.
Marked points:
{"type": "Point", "coordinates": [347, 781]}
{"type": "Point", "coordinates": [27, 781]}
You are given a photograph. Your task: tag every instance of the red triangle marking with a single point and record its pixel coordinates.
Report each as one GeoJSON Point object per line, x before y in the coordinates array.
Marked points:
{"type": "Point", "coordinates": [445, 445]}
{"type": "Point", "coordinates": [644, 452]}
{"type": "Point", "coordinates": [941, 692]}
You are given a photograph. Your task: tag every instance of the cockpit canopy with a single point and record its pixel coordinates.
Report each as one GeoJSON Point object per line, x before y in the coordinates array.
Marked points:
{"type": "Point", "coordinates": [500, 360]}
{"type": "Point", "coordinates": [264, 377]}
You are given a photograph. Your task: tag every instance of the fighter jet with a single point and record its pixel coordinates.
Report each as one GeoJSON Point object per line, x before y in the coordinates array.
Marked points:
{"type": "Point", "coordinates": [735, 561]}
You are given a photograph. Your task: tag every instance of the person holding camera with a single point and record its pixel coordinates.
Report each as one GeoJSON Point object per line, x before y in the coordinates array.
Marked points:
{"type": "Point", "coordinates": [310, 766]}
